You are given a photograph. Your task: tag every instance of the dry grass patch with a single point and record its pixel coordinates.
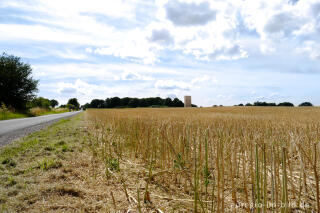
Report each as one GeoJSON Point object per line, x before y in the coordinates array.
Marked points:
{"type": "Point", "coordinates": [52, 171]}
{"type": "Point", "coordinates": [210, 159]}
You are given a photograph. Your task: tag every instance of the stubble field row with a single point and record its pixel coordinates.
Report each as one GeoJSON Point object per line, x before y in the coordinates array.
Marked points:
{"type": "Point", "coordinates": [211, 159]}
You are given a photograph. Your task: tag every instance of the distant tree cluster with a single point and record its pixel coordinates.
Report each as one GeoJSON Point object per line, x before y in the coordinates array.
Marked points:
{"type": "Point", "coordinates": [305, 104]}
{"type": "Point", "coordinates": [127, 102]}
{"type": "Point", "coordinates": [259, 103]}
{"type": "Point", "coordinates": [72, 104]}
{"type": "Point", "coordinates": [286, 104]}
{"type": "Point", "coordinates": [39, 102]}
{"type": "Point", "coordinates": [42, 103]}
{"type": "Point", "coordinates": [54, 103]}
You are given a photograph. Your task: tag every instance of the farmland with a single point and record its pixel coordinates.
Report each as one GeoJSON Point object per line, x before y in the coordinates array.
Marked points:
{"type": "Point", "coordinates": [211, 159]}
{"type": "Point", "coordinates": [219, 159]}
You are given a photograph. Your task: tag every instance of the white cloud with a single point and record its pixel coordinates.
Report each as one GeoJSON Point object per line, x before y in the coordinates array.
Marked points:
{"type": "Point", "coordinates": [189, 14]}
{"type": "Point", "coordinates": [149, 48]}
{"type": "Point", "coordinates": [208, 30]}
{"type": "Point", "coordinates": [203, 79]}
{"type": "Point", "coordinates": [131, 76]}
{"type": "Point", "coordinates": [283, 23]}
{"type": "Point", "coordinates": [69, 54]}
{"type": "Point", "coordinates": [162, 37]}
{"type": "Point", "coordinates": [176, 85]}
{"type": "Point", "coordinates": [172, 85]}
{"type": "Point", "coordinates": [311, 48]}
{"type": "Point", "coordinates": [228, 53]}
{"type": "Point", "coordinates": [78, 88]}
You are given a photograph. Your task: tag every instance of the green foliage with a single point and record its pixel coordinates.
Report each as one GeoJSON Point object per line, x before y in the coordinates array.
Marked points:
{"type": "Point", "coordinates": [134, 102]}
{"type": "Point", "coordinates": [73, 102]}
{"type": "Point", "coordinates": [17, 86]}
{"type": "Point", "coordinates": [287, 104]}
{"type": "Point", "coordinates": [47, 164]}
{"type": "Point", "coordinates": [179, 162]}
{"type": "Point", "coordinates": [305, 104]}
{"type": "Point", "coordinates": [113, 164]}
{"type": "Point", "coordinates": [39, 102]}
{"type": "Point", "coordinates": [258, 103]}
{"type": "Point", "coordinates": [11, 181]}
{"type": "Point", "coordinates": [117, 102]}
{"type": "Point", "coordinates": [54, 103]}
{"type": "Point", "coordinates": [71, 107]}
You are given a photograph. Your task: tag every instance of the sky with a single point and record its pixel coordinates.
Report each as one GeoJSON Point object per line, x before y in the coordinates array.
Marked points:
{"type": "Point", "coordinates": [218, 51]}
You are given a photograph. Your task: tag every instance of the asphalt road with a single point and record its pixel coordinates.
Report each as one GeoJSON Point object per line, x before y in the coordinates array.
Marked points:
{"type": "Point", "coordinates": [13, 129]}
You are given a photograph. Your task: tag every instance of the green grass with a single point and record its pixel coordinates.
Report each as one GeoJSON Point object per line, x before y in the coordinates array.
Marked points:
{"type": "Point", "coordinates": [11, 115]}
{"type": "Point", "coordinates": [33, 143]}
{"type": "Point", "coordinates": [53, 112]}
{"type": "Point", "coordinates": [30, 161]}
{"type": "Point", "coordinates": [7, 115]}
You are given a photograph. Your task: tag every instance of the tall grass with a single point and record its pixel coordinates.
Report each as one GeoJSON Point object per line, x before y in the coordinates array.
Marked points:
{"type": "Point", "coordinates": [37, 111]}
{"type": "Point", "coordinates": [6, 113]}
{"type": "Point", "coordinates": [252, 158]}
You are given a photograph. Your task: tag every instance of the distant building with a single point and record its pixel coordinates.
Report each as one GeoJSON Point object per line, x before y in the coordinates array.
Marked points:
{"type": "Point", "coordinates": [187, 101]}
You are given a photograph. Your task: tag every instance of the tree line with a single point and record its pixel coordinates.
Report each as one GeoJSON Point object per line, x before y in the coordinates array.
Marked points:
{"type": "Point", "coordinates": [286, 104]}
{"type": "Point", "coordinates": [127, 102]}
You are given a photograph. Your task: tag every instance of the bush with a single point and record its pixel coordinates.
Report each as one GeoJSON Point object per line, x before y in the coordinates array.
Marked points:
{"type": "Point", "coordinates": [287, 104]}
{"type": "Point", "coordinates": [54, 103]}
{"type": "Point", "coordinates": [258, 103]}
{"type": "Point", "coordinates": [73, 102]}
{"type": "Point", "coordinates": [37, 111]}
{"type": "Point", "coordinates": [40, 103]}
{"type": "Point", "coordinates": [305, 104]}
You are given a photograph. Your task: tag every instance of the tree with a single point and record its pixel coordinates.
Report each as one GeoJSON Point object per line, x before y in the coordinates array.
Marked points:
{"type": "Point", "coordinates": [39, 102]}
{"type": "Point", "coordinates": [177, 103]}
{"type": "Point", "coordinates": [74, 102]}
{"type": "Point", "coordinates": [125, 101]}
{"type": "Point", "coordinates": [115, 102]}
{"type": "Point", "coordinates": [54, 103]}
{"type": "Point", "coordinates": [143, 102]}
{"type": "Point", "coordinates": [258, 103]}
{"type": "Point", "coordinates": [17, 86]}
{"type": "Point", "coordinates": [305, 104]}
{"type": "Point", "coordinates": [97, 103]}
{"type": "Point", "coordinates": [168, 102]}
{"type": "Point", "coordinates": [86, 106]}
{"type": "Point", "coordinates": [71, 107]}
{"type": "Point", "coordinates": [287, 104]}
{"type": "Point", "coordinates": [134, 102]}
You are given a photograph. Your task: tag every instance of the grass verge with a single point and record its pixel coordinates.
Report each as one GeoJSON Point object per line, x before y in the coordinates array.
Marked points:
{"type": "Point", "coordinates": [11, 115]}
{"type": "Point", "coordinates": [6, 114]}
{"type": "Point", "coordinates": [36, 172]}
{"type": "Point", "coordinates": [53, 170]}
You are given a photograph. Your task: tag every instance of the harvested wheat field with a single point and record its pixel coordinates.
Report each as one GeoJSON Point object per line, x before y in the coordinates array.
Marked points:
{"type": "Point", "coordinates": [223, 159]}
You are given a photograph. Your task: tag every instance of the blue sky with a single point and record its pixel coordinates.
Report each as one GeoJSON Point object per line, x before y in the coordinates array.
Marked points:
{"type": "Point", "coordinates": [217, 51]}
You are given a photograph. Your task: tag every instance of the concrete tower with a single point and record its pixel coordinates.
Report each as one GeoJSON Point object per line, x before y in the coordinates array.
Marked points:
{"type": "Point", "coordinates": [187, 101]}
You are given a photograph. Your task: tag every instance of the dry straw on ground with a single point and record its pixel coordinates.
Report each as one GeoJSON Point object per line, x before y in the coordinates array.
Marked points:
{"type": "Point", "coordinates": [227, 159]}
